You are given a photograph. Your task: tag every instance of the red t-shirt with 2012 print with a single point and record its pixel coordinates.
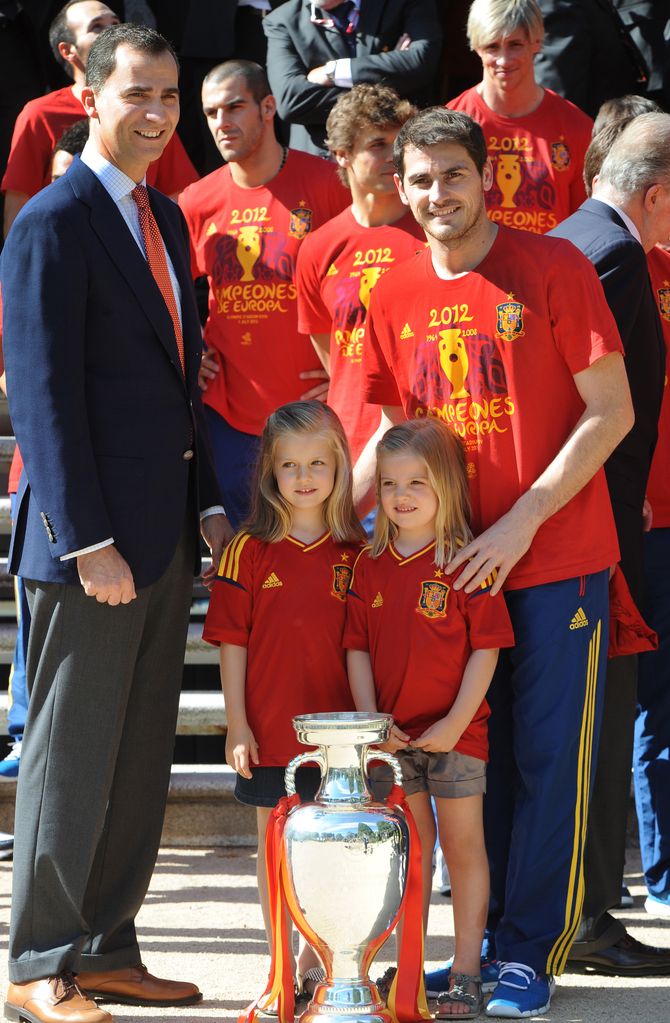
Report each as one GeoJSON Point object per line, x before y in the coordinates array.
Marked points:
{"type": "Point", "coordinates": [338, 266]}
{"type": "Point", "coordinates": [246, 241]}
{"type": "Point", "coordinates": [493, 354]}
{"type": "Point", "coordinates": [537, 160]}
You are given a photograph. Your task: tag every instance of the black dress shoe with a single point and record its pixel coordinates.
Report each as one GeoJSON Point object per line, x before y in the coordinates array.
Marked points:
{"type": "Point", "coordinates": [627, 957]}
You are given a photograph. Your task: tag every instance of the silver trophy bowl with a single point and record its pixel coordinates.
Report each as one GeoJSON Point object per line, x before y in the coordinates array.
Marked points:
{"type": "Point", "coordinates": [347, 859]}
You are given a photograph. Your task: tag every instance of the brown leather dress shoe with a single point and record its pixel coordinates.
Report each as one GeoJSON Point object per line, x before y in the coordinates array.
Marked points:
{"type": "Point", "coordinates": [134, 985]}
{"type": "Point", "coordinates": [52, 1000]}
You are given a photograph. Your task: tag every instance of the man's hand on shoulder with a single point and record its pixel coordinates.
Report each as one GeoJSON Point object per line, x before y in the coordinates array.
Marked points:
{"type": "Point", "coordinates": [497, 549]}
{"type": "Point", "coordinates": [217, 532]}
{"type": "Point", "coordinates": [106, 575]}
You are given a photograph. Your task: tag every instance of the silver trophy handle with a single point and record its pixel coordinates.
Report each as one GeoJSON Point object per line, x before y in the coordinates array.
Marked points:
{"type": "Point", "coordinates": [388, 758]}
{"type": "Point", "coordinates": [303, 758]}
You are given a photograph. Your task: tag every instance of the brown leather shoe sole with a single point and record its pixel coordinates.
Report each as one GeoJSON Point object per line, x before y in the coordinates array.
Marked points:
{"type": "Point", "coordinates": [111, 998]}
{"type": "Point", "coordinates": [17, 1015]}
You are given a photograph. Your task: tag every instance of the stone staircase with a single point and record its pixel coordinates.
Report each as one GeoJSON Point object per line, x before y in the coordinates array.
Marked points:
{"type": "Point", "coordinates": [201, 807]}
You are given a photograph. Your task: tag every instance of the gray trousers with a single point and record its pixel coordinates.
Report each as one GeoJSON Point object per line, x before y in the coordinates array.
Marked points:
{"type": "Point", "coordinates": [95, 768]}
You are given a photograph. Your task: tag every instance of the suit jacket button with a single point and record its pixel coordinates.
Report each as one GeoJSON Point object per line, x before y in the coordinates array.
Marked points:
{"type": "Point", "coordinates": [188, 455]}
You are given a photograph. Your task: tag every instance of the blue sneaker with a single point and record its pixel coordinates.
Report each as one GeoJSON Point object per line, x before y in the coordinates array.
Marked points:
{"type": "Point", "coordinates": [437, 981]}
{"type": "Point", "coordinates": [9, 767]}
{"type": "Point", "coordinates": [520, 992]}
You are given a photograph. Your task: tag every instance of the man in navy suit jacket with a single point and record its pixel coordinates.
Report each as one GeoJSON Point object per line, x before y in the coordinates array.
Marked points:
{"type": "Point", "coordinates": [117, 476]}
{"type": "Point", "coordinates": [629, 212]}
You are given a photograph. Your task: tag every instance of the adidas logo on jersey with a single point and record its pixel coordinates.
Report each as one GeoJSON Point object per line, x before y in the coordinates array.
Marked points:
{"type": "Point", "coordinates": [406, 333]}
{"type": "Point", "coordinates": [210, 230]}
{"type": "Point", "coordinates": [378, 601]}
{"type": "Point", "coordinates": [579, 620]}
{"type": "Point", "coordinates": [332, 270]}
{"type": "Point", "coordinates": [272, 581]}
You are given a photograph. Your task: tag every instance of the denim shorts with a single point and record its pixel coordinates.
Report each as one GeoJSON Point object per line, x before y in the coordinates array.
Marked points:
{"type": "Point", "coordinates": [266, 785]}
{"type": "Point", "coordinates": [444, 775]}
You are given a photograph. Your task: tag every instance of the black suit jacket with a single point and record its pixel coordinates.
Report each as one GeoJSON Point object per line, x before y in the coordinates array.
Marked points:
{"type": "Point", "coordinates": [588, 54]}
{"type": "Point", "coordinates": [621, 264]}
{"type": "Point", "coordinates": [105, 418]}
{"type": "Point", "coordinates": [296, 46]}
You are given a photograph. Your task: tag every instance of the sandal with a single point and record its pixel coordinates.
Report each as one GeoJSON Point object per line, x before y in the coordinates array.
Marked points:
{"type": "Point", "coordinates": [458, 995]}
{"type": "Point", "coordinates": [306, 984]}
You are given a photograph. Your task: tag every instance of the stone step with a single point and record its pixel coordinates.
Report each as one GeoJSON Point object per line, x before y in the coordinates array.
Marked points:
{"type": "Point", "coordinates": [201, 712]}
{"type": "Point", "coordinates": [5, 517]}
{"type": "Point", "coordinates": [201, 810]}
{"type": "Point", "coordinates": [5, 422]}
{"type": "Point", "coordinates": [197, 651]}
{"type": "Point", "coordinates": [7, 445]}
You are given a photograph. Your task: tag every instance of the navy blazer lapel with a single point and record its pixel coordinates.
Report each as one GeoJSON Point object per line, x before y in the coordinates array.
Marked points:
{"type": "Point", "coordinates": [114, 234]}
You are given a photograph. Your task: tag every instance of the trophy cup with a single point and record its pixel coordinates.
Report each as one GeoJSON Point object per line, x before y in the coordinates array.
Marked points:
{"type": "Point", "coordinates": [347, 862]}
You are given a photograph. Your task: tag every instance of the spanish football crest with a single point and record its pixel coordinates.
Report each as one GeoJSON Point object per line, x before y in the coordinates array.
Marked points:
{"type": "Point", "coordinates": [560, 156]}
{"type": "Point", "coordinates": [433, 599]}
{"type": "Point", "coordinates": [300, 223]}
{"type": "Point", "coordinates": [664, 301]}
{"type": "Point", "coordinates": [510, 319]}
{"type": "Point", "coordinates": [341, 579]}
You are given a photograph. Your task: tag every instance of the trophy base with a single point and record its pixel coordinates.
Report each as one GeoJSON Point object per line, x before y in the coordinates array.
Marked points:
{"type": "Point", "coordinates": [346, 1002]}
{"type": "Point", "coordinates": [343, 1016]}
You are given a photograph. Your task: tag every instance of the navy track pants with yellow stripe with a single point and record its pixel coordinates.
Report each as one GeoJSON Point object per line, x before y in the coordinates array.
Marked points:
{"type": "Point", "coordinates": [546, 703]}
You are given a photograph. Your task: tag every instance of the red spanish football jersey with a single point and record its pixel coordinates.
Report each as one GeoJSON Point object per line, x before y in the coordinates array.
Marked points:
{"type": "Point", "coordinates": [658, 487]}
{"type": "Point", "coordinates": [39, 127]}
{"type": "Point", "coordinates": [285, 602]}
{"type": "Point", "coordinates": [338, 267]}
{"type": "Point", "coordinates": [420, 632]}
{"type": "Point", "coordinates": [246, 241]}
{"type": "Point", "coordinates": [537, 160]}
{"type": "Point", "coordinates": [493, 354]}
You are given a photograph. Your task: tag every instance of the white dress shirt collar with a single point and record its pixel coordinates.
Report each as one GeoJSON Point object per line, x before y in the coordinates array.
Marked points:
{"type": "Point", "coordinates": [624, 216]}
{"type": "Point", "coordinates": [110, 177]}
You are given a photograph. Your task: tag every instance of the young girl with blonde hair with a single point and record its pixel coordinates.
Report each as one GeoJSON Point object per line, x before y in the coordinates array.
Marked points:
{"type": "Point", "coordinates": [425, 653]}
{"type": "Point", "coordinates": [278, 609]}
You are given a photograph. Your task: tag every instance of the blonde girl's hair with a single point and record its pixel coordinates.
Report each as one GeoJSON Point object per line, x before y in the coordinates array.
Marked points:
{"type": "Point", "coordinates": [271, 516]}
{"type": "Point", "coordinates": [443, 453]}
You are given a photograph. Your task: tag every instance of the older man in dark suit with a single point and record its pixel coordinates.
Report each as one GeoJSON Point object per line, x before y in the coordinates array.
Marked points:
{"type": "Point", "coordinates": [629, 212]}
{"type": "Point", "coordinates": [102, 347]}
{"type": "Point", "coordinates": [315, 50]}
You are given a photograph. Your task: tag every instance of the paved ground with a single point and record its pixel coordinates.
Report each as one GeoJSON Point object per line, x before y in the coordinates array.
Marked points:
{"type": "Point", "coordinates": [201, 922]}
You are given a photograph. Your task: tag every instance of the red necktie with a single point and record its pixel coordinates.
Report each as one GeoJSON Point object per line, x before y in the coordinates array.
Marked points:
{"type": "Point", "coordinates": [157, 261]}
